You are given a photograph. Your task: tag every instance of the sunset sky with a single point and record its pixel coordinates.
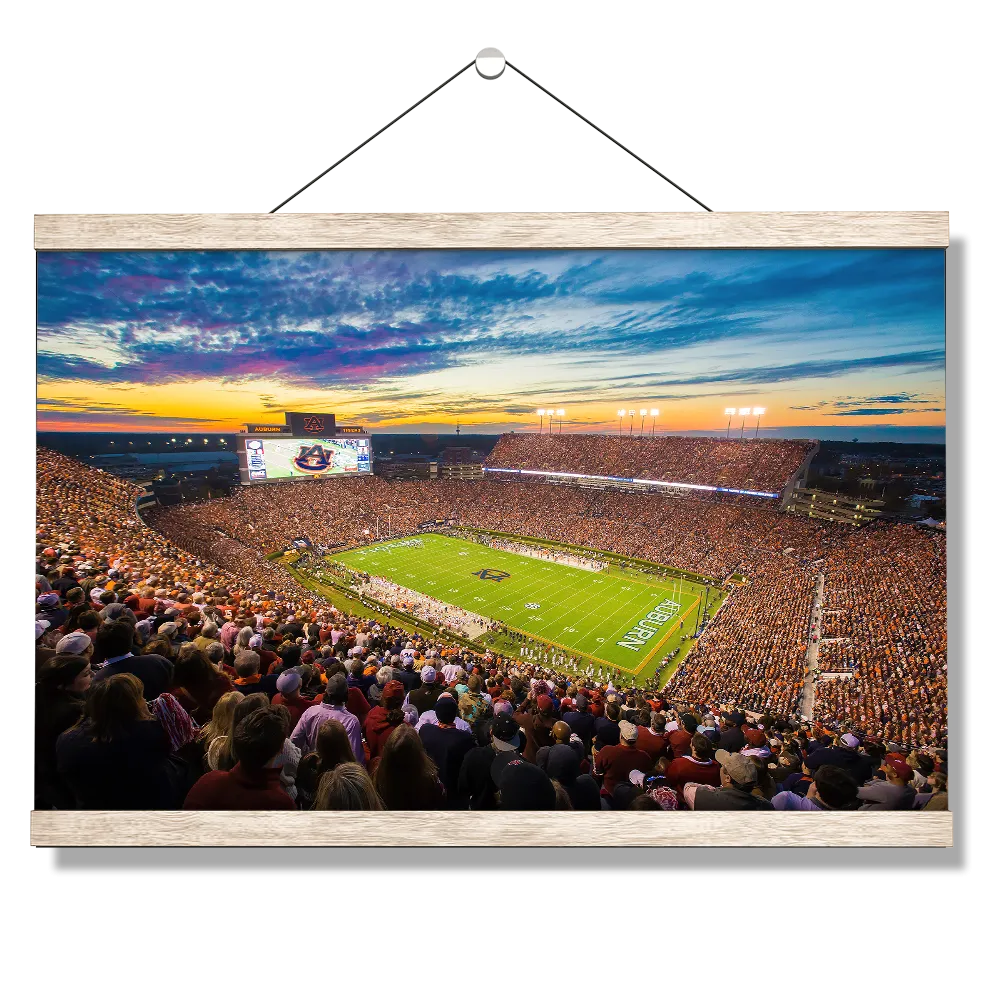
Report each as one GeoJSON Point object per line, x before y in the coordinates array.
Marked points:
{"type": "Point", "coordinates": [417, 340]}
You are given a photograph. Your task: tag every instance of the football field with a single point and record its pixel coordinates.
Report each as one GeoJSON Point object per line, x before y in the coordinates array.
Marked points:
{"type": "Point", "coordinates": [626, 621]}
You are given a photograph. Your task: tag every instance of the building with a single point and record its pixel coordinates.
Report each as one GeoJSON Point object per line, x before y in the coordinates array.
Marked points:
{"type": "Point", "coordinates": [461, 470]}
{"type": "Point", "coordinates": [407, 467]}
{"type": "Point", "coordinates": [833, 507]}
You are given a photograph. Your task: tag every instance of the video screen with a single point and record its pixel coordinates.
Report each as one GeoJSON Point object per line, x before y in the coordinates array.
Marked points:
{"type": "Point", "coordinates": [292, 458]}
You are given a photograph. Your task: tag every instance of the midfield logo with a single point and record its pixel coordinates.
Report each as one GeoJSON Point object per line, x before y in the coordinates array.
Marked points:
{"type": "Point", "coordinates": [313, 458]}
{"type": "Point", "coordinates": [491, 574]}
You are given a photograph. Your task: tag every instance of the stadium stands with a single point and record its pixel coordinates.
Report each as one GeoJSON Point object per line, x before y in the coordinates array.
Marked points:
{"type": "Point", "coordinates": [753, 464]}
{"type": "Point", "coordinates": [175, 665]}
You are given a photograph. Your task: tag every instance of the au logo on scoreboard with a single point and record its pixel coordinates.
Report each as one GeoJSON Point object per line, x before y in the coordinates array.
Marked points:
{"type": "Point", "coordinates": [496, 575]}
{"type": "Point", "coordinates": [313, 424]}
{"type": "Point", "coordinates": [313, 458]}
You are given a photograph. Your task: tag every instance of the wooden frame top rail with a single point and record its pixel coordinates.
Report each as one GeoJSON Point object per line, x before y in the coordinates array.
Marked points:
{"type": "Point", "coordinates": [520, 231]}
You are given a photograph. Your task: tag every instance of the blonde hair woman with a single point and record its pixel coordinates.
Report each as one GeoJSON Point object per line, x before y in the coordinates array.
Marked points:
{"type": "Point", "coordinates": [347, 787]}
{"type": "Point", "coordinates": [215, 734]}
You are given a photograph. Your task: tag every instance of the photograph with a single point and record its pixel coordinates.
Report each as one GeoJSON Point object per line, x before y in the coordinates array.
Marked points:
{"type": "Point", "coordinates": [606, 529]}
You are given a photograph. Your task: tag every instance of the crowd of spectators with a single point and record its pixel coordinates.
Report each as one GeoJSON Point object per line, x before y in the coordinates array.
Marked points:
{"type": "Point", "coordinates": [711, 537]}
{"type": "Point", "coordinates": [178, 667]}
{"type": "Point", "coordinates": [753, 464]}
{"type": "Point", "coordinates": [886, 621]}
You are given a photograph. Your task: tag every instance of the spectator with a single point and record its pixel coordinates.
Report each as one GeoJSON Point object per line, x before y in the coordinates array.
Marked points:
{"type": "Point", "coordinates": [116, 640]}
{"type": "Point", "coordinates": [447, 746]}
{"type": "Point", "coordinates": [119, 755]}
{"type": "Point", "coordinates": [425, 696]}
{"type": "Point", "coordinates": [831, 788]}
{"type": "Point", "coordinates": [739, 778]}
{"type": "Point", "coordinates": [698, 766]}
{"type": "Point", "coordinates": [253, 782]}
{"type": "Point", "coordinates": [289, 695]}
{"type": "Point", "coordinates": [521, 785]}
{"type": "Point", "coordinates": [679, 740]}
{"type": "Point", "coordinates": [562, 765]}
{"type": "Point", "coordinates": [405, 776]}
{"type": "Point", "coordinates": [215, 736]}
{"type": "Point", "coordinates": [475, 786]}
{"type": "Point", "coordinates": [196, 684]}
{"type": "Point", "coordinates": [332, 707]}
{"type": "Point", "coordinates": [60, 695]}
{"type": "Point", "coordinates": [384, 717]}
{"type": "Point", "coordinates": [895, 792]}
{"type": "Point", "coordinates": [615, 763]}
{"type": "Point", "coordinates": [347, 787]}
{"type": "Point", "coordinates": [332, 748]}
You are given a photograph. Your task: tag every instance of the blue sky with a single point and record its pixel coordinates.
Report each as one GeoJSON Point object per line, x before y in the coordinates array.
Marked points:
{"type": "Point", "coordinates": [417, 340]}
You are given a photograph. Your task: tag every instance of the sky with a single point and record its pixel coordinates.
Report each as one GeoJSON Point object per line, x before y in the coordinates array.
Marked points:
{"type": "Point", "coordinates": [417, 341]}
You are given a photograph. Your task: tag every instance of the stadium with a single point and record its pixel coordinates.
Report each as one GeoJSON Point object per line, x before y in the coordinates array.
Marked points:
{"type": "Point", "coordinates": [620, 612]}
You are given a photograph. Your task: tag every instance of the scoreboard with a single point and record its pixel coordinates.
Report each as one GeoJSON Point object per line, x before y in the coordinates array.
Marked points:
{"type": "Point", "coordinates": [269, 457]}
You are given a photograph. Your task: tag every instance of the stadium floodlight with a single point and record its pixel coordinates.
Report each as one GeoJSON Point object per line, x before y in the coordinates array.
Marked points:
{"type": "Point", "coordinates": [540, 414]}
{"type": "Point", "coordinates": [654, 414]}
{"type": "Point", "coordinates": [550, 414]}
{"type": "Point", "coordinates": [758, 411]}
{"type": "Point", "coordinates": [642, 426]}
{"type": "Point", "coordinates": [730, 411]}
{"type": "Point", "coordinates": [560, 414]}
{"type": "Point", "coordinates": [621, 417]}
{"type": "Point", "coordinates": [631, 421]}
{"type": "Point", "coordinates": [744, 413]}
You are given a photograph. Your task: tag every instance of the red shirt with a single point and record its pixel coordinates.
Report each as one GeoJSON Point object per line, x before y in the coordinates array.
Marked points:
{"type": "Point", "coordinates": [616, 762]}
{"type": "Point", "coordinates": [295, 704]}
{"type": "Point", "coordinates": [685, 769]}
{"type": "Point", "coordinates": [654, 744]}
{"type": "Point", "coordinates": [680, 743]}
{"type": "Point", "coordinates": [239, 789]}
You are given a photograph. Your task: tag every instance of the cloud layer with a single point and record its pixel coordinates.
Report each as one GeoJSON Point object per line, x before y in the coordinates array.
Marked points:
{"type": "Point", "coordinates": [669, 325]}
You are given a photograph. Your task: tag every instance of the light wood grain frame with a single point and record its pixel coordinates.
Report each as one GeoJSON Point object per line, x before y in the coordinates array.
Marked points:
{"type": "Point", "coordinates": [515, 231]}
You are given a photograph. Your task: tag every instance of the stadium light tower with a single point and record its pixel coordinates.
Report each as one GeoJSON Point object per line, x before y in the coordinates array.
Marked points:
{"type": "Point", "coordinates": [560, 414]}
{"type": "Point", "coordinates": [540, 414]}
{"type": "Point", "coordinates": [631, 421]}
{"type": "Point", "coordinates": [551, 414]}
{"type": "Point", "coordinates": [758, 411]}
{"type": "Point", "coordinates": [642, 426]}
{"type": "Point", "coordinates": [730, 412]}
{"type": "Point", "coordinates": [744, 413]}
{"type": "Point", "coordinates": [654, 414]}
{"type": "Point", "coordinates": [621, 417]}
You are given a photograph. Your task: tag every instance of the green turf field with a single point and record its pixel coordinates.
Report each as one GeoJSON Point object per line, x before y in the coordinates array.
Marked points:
{"type": "Point", "coordinates": [595, 615]}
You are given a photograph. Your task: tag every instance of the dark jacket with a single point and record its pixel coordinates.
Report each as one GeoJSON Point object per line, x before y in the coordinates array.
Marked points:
{"type": "Point", "coordinates": [582, 723]}
{"type": "Point", "coordinates": [55, 712]}
{"type": "Point", "coordinates": [424, 697]}
{"type": "Point", "coordinates": [858, 767]}
{"type": "Point", "coordinates": [447, 747]}
{"type": "Point", "coordinates": [153, 670]}
{"type": "Point", "coordinates": [732, 740]}
{"type": "Point", "coordinates": [729, 798]}
{"type": "Point", "coordinates": [475, 786]}
{"type": "Point", "coordinates": [133, 770]}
